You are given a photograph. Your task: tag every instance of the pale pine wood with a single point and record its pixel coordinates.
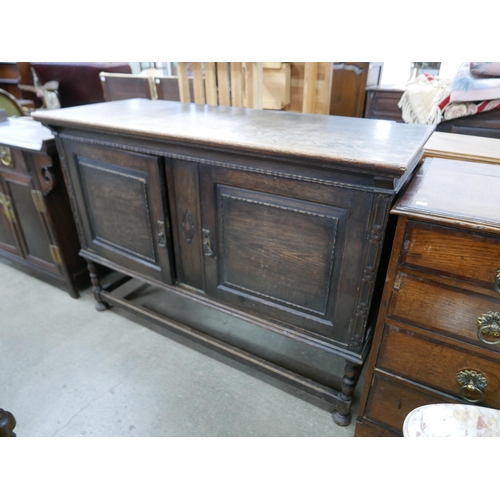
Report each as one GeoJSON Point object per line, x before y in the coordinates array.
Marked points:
{"type": "Point", "coordinates": [198, 84]}
{"type": "Point", "coordinates": [463, 147]}
{"type": "Point", "coordinates": [237, 84]}
{"type": "Point", "coordinates": [324, 88]}
{"type": "Point", "coordinates": [223, 83]}
{"type": "Point", "coordinates": [276, 87]}
{"type": "Point", "coordinates": [183, 82]}
{"type": "Point", "coordinates": [272, 65]}
{"type": "Point", "coordinates": [309, 92]}
{"type": "Point", "coordinates": [210, 83]}
{"type": "Point", "coordinates": [257, 79]}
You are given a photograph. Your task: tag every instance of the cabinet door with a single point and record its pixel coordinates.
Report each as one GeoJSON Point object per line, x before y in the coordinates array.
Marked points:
{"type": "Point", "coordinates": [8, 241]}
{"type": "Point", "coordinates": [277, 247]}
{"type": "Point", "coordinates": [34, 241]}
{"type": "Point", "coordinates": [122, 206]}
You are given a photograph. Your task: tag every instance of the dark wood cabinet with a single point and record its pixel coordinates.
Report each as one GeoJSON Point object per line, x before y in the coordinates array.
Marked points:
{"type": "Point", "coordinates": [260, 232]}
{"type": "Point", "coordinates": [382, 104]}
{"type": "Point", "coordinates": [37, 230]}
{"type": "Point", "coordinates": [349, 82]}
{"type": "Point", "coordinates": [437, 337]}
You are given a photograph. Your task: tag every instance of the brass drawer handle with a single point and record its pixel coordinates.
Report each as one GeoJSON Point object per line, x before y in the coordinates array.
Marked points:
{"type": "Point", "coordinates": [489, 324]}
{"type": "Point", "coordinates": [497, 281]}
{"type": "Point", "coordinates": [471, 382]}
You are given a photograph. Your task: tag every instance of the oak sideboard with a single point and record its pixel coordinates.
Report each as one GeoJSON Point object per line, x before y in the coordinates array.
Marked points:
{"type": "Point", "coordinates": [257, 233]}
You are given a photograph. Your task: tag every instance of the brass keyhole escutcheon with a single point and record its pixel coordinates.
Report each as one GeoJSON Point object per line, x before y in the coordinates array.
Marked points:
{"type": "Point", "coordinates": [471, 384]}
{"type": "Point", "coordinates": [497, 282]}
{"type": "Point", "coordinates": [6, 156]}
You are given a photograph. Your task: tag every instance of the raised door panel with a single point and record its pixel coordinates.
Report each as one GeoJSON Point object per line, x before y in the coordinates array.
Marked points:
{"type": "Point", "coordinates": [31, 226]}
{"type": "Point", "coordinates": [121, 201]}
{"type": "Point", "coordinates": [277, 247]}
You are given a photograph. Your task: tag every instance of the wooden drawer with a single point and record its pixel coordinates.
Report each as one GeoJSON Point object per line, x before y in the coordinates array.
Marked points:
{"type": "Point", "coordinates": [452, 253]}
{"type": "Point", "coordinates": [436, 364]}
{"type": "Point", "coordinates": [441, 308]}
{"type": "Point", "coordinates": [390, 401]}
{"type": "Point", "coordinates": [365, 428]}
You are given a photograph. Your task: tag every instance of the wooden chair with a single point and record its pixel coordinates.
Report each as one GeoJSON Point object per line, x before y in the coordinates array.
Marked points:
{"type": "Point", "coordinates": [118, 86]}
{"type": "Point", "coordinates": [222, 84]}
{"type": "Point", "coordinates": [167, 88]}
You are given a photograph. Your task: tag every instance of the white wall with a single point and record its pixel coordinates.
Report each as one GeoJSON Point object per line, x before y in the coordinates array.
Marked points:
{"type": "Point", "coordinates": [398, 73]}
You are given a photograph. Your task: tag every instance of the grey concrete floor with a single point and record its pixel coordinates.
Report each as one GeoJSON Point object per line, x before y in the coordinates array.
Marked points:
{"type": "Point", "coordinates": [67, 370]}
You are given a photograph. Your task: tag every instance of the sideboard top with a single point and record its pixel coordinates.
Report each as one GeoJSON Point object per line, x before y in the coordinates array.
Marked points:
{"type": "Point", "coordinates": [24, 133]}
{"type": "Point", "coordinates": [383, 145]}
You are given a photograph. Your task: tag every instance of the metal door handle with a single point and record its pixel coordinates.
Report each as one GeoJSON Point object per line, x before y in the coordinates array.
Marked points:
{"type": "Point", "coordinates": [207, 247]}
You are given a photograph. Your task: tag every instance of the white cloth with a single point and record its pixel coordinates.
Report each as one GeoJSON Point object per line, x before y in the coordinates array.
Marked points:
{"type": "Point", "coordinates": [420, 101]}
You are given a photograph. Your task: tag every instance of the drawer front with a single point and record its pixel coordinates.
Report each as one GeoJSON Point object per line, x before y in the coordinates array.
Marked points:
{"type": "Point", "coordinates": [365, 428]}
{"type": "Point", "coordinates": [121, 200]}
{"type": "Point", "coordinates": [390, 401]}
{"type": "Point", "coordinates": [440, 366]}
{"type": "Point", "coordinates": [444, 309]}
{"type": "Point", "coordinates": [453, 253]}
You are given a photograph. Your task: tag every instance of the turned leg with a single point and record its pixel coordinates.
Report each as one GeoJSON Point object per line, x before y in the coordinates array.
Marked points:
{"type": "Point", "coordinates": [342, 414]}
{"type": "Point", "coordinates": [7, 424]}
{"type": "Point", "coordinates": [96, 287]}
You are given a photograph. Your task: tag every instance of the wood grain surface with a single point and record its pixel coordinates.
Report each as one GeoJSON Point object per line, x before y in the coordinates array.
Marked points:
{"type": "Point", "coordinates": [353, 142]}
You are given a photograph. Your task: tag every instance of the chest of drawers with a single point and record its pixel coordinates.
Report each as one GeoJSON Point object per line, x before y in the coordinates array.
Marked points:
{"type": "Point", "coordinates": [438, 333]}
{"type": "Point", "coordinates": [258, 233]}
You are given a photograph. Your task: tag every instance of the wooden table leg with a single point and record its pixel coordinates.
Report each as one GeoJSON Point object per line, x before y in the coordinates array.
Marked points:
{"type": "Point", "coordinates": [342, 413]}
{"type": "Point", "coordinates": [96, 287]}
{"type": "Point", "coordinates": [7, 424]}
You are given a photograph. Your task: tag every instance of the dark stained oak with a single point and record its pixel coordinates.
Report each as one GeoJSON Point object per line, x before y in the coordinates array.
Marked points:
{"type": "Point", "coordinates": [37, 230]}
{"type": "Point", "coordinates": [272, 223]}
{"type": "Point", "coordinates": [329, 138]}
{"type": "Point", "coordinates": [442, 285]}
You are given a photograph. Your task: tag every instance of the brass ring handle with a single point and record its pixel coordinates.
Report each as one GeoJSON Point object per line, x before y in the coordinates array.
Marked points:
{"type": "Point", "coordinates": [489, 324]}
{"type": "Point", "coordinates": [496, 286]}
{"type": "Point", "coordinates": [471, 381]}
{"type": "Point", "coordinates": [471, 388]}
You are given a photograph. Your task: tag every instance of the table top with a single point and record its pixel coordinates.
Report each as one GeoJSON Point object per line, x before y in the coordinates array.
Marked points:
{"type": "Point", "coordinates": [380, 146]}
{"type": "Point", "coordinates": [458, 193]}
{"type": "Point", "coordinates": [463, 147]}
{"type": "Point", "coordinates": [24, 133]}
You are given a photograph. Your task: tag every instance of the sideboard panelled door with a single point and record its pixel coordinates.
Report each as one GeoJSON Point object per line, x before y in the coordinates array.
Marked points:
{"type": "Point", "coordinates": [24, 212]}
{"type": "Point", "coordinates": [121, 196]}
{"type": "Point", "coordinates": [279, 248]}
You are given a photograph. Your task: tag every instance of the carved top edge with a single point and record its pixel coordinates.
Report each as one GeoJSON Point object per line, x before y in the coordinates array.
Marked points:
{"type": "Point", "coordinates": [383, 146]}
{"type": "Point", "coordinates": [24, 133]}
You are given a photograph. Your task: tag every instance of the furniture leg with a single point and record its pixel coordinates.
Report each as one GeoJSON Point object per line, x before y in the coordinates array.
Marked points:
{"type": "Point", "coordinates": [96, 287]}
{"type": "Point", "coordinates": [342, 415]}
{"type": "Point", "coordinates": [7, 424]}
